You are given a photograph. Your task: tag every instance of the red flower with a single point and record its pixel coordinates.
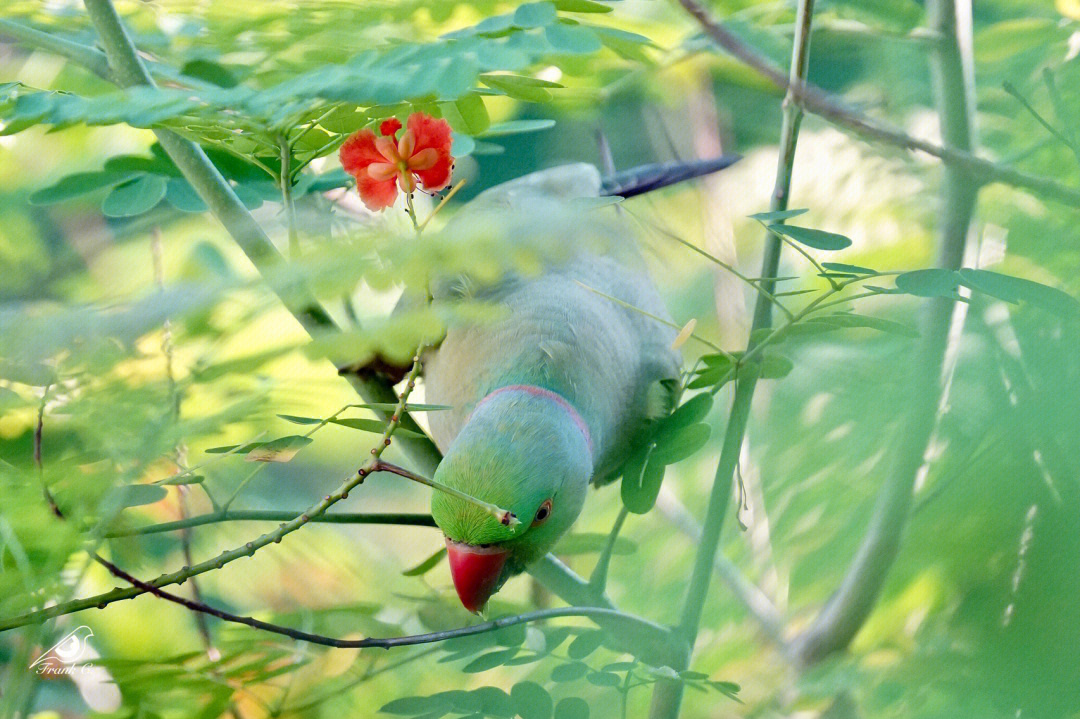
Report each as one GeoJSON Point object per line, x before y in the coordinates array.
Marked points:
{"type": "Point", "coordinates": [383, 164]}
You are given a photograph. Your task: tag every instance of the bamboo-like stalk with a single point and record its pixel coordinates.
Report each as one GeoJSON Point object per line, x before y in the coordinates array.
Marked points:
{"type": "Point", "coordinates": [667, 697]}
{"type": "Point", "coordinates": [848, 608]}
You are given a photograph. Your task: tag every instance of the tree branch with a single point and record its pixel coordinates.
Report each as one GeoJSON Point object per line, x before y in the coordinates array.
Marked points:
{"type": "Point", "coordinates": [90, 58]}
{"type": "Point", "coordinates": [628, 622]}
{"type": "Point", "coordinates": [831, 108]}
{"type": "Point", "coordinates": [853, 601]}
{"type": "Point", "coordinates": [274, 515]}
{"type": "Point", "coordinates": [667, 697]}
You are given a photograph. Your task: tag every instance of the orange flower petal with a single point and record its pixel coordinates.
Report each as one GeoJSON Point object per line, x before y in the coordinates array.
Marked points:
{"type": "Point", "coordinates": [376, 194]}
{"type": "Point", "coordinates": [381, 171]}
{"type": "Point", "coordinates": [406, 144]}
{"type": "Point", "coordinates": [387, 148]}
{"type": "Point", "coordinates": [433, 134]}
{"type": "Point", "coordinates": [358, 152]}
{"type": "Point", "coordinates": [438, 176]}
{"type": "Point", "coordinates": [424, 160]}
{"type": "Point", "coordinates": [390, 126]}
{"type": "Point", "coordinates": [430, 132]}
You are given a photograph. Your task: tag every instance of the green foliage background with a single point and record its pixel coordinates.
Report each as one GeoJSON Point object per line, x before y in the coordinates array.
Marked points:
{"type": "Point", "coordinates": [979, 615]}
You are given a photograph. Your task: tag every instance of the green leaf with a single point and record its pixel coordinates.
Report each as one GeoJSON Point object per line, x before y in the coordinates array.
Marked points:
{"type": "Point", "coordinates": [582, 6]}
{"type": "Point", "coordinates": [411, 706]}
{"type": "Point", "coordinates": [691, 411]}
{"type": "Point", "coordinates": [1015, 289]}
{"type": "Point", "coordinates": [852, 269]}
{"type": "Point", "coordinates": [494, 702]}
{"type": "Point", "coordinates": [282, 449]}
{"type": "Point", "coordinates": [731, 689]}
{"type": "Point", "coordinates": [462, 145]}
{"type": "Point", "coordinates": [427, 565]}
{"type": "Point", "coordinates": [137, 495]}
{"type": "Point", "coordinates": [516, 127]}
{"type": "Point", "coordinates": [182, 479]}
{"type": "Point", "coordinates": [572, 708]}
{"type": "Point", "coordinates": [299, 420]}
{"type": "Point", "coordinates": [534, 14]}
{"type": "Point", "coordinates": [390, 407]}
{"type": "Point", "coordinates": [929, 283]}
{"type": "Point", "coordinates": [344, 120]}
{"type": "Point", "coordinates": [642, 478]}
{"type": "Point", "coordinates": [585, 644]}
{"type": "Point", "coordinates": [676, 445]}
{"type": "Point", "coordinates": [519, 88]}
{"type": "Point", "coordinates": [603, 679]}
{"type": "Point", "coordinates": [78, 184]}
{"type": "Point", "coordinates": [777, 215]}
{"type": "Point", "coordinates": [373, 425]}
{"type": "Point", "coordinates": [775, 366]}
{"type": "Point", "coordinates": [849, 319]}
{"type": "Point", "coordinates": [572, 39]}
{"type": "Point", "coordinates": [181, 195]}
{"type": "Point", "coordinates": [531, 701]}
{"type": "Point", "coordinates": [211, 72]}
{"type": "Point", "coordinates": [818, 239]}
{"type": "Point", "coordinates": [135, 196]}
{"type": "Point", "coordinates": [490, 660]}
{"type": "Point", "coordinates": [467, 114]}
{"type": "Point", "coordinates": [569, 672]}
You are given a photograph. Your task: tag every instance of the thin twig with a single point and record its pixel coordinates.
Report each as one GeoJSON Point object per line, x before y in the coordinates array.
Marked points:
{"type": "Point", "coordinates": [504, 516]}
{"type": "Point", "coordinates": [273, 515]}
{"type": "Point", "coordinates": [598, 580]}
{"type": "Point", "coordinates": [667, 697]}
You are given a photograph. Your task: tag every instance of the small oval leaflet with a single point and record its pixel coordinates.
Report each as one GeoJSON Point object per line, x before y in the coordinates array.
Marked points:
{"type": "Point", "coordinates": [777, 215]}
{"type": "Point", "coordinates": [490, 660]}
{"type": "Point", "coordinates": [569, 672]}
{"type": "Point", "coordinates": [531, 701]}
{"type": "Point", "coordinates": [572, 708]}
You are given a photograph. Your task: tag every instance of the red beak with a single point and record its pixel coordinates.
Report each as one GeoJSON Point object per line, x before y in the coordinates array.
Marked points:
{"type": "Point", "coordinates": [476, 572]}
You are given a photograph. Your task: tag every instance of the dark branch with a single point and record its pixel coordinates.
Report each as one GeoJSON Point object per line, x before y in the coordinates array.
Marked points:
{"type": "Point", "coordinates": [274, 515]}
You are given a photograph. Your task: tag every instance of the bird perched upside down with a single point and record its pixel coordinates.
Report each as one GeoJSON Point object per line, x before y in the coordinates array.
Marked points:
{"type": "Point", "coordinates": [546, 399]}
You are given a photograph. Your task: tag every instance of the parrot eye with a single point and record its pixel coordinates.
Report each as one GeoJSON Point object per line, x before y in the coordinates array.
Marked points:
{"type": "Point", "coordinates": [542, 513]}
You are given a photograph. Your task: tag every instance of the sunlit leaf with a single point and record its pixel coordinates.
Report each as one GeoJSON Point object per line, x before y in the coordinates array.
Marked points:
{"type": "Point", "coordinates": [135, 196]}
{"type": "Point", "coordinates": [278, 450]}
{"type": "Point", "coordinates": [777, 215]}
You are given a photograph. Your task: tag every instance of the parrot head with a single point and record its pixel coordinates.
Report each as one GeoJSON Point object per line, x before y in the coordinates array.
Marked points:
{"type": "Point", "coordinates": [523, 453]}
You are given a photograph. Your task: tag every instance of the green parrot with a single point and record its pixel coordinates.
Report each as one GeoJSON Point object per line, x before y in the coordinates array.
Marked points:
{"type": "Point", "coordinates": [548, 398]}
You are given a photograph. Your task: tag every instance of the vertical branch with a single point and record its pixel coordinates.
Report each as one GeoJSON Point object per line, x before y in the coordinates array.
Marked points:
{"type": "Point", "coordinates": [285, 182]}
{"type": "Point", "coordinates": [849, 607]}
{"type": "Point", "coordinates": [667, 697]}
